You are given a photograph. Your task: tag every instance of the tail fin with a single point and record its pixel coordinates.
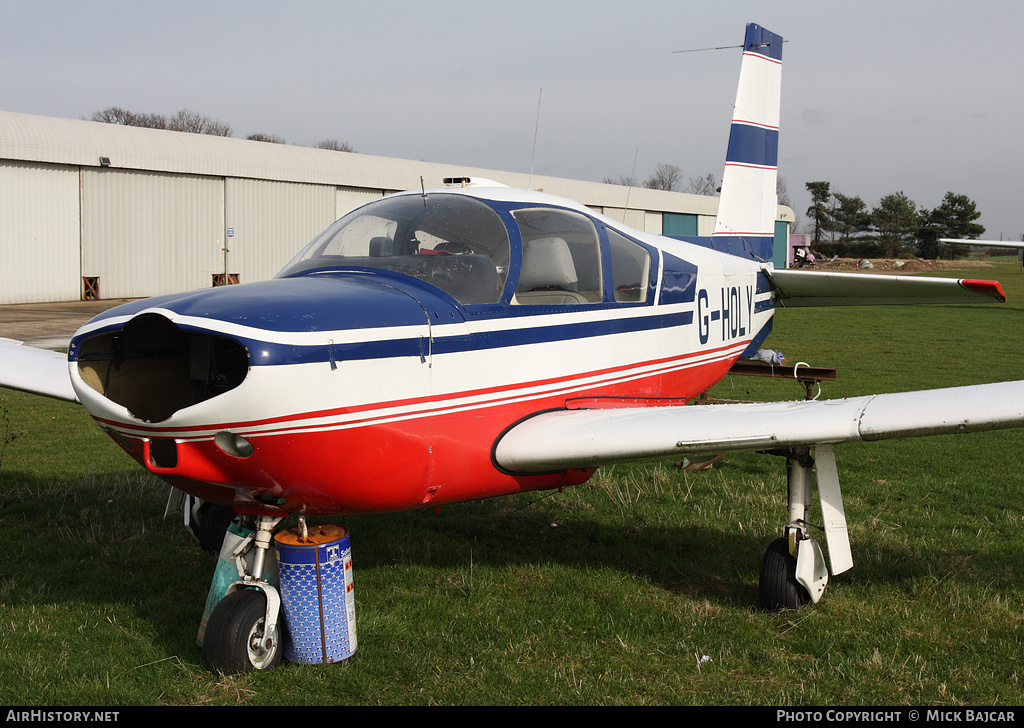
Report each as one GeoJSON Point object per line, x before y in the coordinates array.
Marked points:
{"type": "Point", "coordinates": [748, 205]}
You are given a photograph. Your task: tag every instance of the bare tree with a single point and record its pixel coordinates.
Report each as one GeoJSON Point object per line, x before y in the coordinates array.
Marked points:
{"type": "Point", "coordinates": [184, 120]}
{"type": "Point", "coordinates": [195, 123]}
{"type": "Point", "coordinates": [702, 185]}
{"type": "Point", "coordinates": [124, 117]}
{"type": "Point", "coordinates": [666, 177]}
{"type": "Point", "coordinates": [334, 145]}
{"type": "Point", "coordinates": [623, 180]}
{"type": "Point", "coordinates": [270, 138]}
{"type": "Point", "coordinates": [782, 192]}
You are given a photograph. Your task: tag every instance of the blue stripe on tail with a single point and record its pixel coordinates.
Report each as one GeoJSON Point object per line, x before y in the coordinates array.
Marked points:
{"type": "Point", "coordinates": [753, 145]}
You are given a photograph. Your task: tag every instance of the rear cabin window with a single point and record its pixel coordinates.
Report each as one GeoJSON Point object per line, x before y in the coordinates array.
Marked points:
{"type": "Point", "coordinates": [561, 258]}
{"type": "Point", "coordinates": [631, 268]}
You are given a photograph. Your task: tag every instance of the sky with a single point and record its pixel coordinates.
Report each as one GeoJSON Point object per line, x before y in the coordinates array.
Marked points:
{"type": "Point", "coordinates": [905, 96]}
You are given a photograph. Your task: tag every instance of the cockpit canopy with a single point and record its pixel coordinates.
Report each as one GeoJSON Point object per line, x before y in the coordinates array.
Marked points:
{"type": "Point", "coordinates": [454, 242]}
{"type": "Point", "coordinates": [461, 245]}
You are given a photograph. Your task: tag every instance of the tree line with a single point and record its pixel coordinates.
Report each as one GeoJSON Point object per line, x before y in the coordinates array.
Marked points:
{"type": "Point", "coordinates": [193, 122]}
{"type": "Point", "coordinates": [668, 177]}
{"type": "Point", "coordinates": [895, 228]}
{"type": "Point", "coordinates": [839, 224]}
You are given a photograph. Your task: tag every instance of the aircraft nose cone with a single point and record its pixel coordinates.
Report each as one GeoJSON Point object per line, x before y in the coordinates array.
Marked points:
{"type": "Point", "coordinates": [153, 368]}
{"type": "Point", "coordinates": [160, 356]}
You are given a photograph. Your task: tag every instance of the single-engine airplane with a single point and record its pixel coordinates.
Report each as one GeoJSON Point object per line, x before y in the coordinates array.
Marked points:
{"type": "Point", "coordinates": [472, 340]}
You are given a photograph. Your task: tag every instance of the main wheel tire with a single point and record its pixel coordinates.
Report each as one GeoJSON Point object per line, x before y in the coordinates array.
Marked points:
{"type": "Point", "coordinates": [234, 641]}
{"type": "Point", "coordinates": [778, 588]}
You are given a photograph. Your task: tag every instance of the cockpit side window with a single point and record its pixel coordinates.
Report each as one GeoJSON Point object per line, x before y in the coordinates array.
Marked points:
{"type": "Point", "coordinates": [454, 242]}
{"type": "Point", "coordinates": [631, 268]}
{"type": "Point", "coordinates": [561, 258]}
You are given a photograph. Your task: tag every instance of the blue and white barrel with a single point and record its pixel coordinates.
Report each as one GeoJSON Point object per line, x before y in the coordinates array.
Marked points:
{"type": "Point", "coordinates": [315, 575]}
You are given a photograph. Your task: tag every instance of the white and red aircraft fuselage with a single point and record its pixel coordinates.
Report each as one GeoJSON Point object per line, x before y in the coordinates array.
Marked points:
{"type": "Point", "coordinates": [380, 368]}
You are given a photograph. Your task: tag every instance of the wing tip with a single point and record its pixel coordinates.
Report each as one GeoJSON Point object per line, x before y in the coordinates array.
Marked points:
{"type": "Point", "coordinates": [992, 289]}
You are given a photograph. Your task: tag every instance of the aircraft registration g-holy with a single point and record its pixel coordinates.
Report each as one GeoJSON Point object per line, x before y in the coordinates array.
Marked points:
{"type": "Point", "coordinates": [471, 341]}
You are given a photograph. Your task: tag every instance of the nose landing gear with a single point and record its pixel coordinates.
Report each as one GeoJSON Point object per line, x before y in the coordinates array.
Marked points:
{"type": "Point", "coordinates": [245, 631]}
{"type": "Point", "coordinates": [238, 637]}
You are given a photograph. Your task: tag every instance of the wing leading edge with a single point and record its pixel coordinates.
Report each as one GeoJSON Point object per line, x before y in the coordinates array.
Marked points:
{"type": "Point", "coordinates": [561, 440]}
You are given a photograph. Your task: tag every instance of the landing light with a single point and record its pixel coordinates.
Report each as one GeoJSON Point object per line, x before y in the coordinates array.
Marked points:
{"type": "Point", "coordinates": [233, 445]}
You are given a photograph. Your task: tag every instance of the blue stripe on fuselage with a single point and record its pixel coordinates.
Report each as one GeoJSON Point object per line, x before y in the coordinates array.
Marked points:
{"type": "Point", "coordinates": [563, 332]}
{"type": "Point", "coordinates": [336, 305]}
{"type": "Point", "coordinates": [751, 247]}
{"type": "Point", "coordinates": [264, 353]}
{"type": "Point", "coordinates": [678, 281]}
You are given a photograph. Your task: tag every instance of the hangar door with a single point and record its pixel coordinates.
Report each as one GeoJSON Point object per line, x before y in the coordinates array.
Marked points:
{"type": "Point", "coordinates": [147, 234]}
{"type": "Point", "coordinates": [39, 232]}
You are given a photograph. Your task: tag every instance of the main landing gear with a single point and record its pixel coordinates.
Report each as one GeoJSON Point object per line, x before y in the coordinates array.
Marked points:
{"type": "Point", "coordinates": [793, 570]}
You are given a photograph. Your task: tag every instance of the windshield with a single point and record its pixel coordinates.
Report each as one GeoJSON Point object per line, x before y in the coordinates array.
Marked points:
{"type": "Point", "coordinates": [454, 242]}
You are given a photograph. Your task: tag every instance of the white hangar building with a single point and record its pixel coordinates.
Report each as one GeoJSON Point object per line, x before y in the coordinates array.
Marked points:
{"type": "Point", "coordinates": [93, 210]}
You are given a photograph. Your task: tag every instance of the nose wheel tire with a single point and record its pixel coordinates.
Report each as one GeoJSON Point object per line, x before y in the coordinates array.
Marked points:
{"type": "Point", "coordinates": [235, 640]}
{"type": "Point", "coordinates": [779, 590]}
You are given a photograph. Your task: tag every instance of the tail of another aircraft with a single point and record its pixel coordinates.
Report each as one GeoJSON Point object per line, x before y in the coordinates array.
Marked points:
{"type": "Point", "coordinates": [748, 206]}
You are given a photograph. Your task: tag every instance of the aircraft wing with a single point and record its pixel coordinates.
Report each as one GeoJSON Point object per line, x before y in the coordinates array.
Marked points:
{"type": "Point", "coordinates": [37, 371]}
{"type": "Point", "coordinates": [823, 288]}
{"type": "Point", "coordinates": [984, 243]}
{"type": "Point", "coordinates": [565, 439]}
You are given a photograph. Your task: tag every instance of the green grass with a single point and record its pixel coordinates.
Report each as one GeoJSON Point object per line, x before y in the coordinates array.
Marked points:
{"type": "Point", "coordinates": [637, 588]}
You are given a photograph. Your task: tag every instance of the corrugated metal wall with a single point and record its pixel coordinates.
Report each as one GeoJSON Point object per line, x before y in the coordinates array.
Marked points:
{"type": "Point", "coordinates": [348, 199]}
{"type": "Point", "coordinates": [138, 233]}
{"type": "Point", "coordinates": [270, 222]}
{"type": "Point", "coordinates": [636, 219]}
{"type": "Point", "coordinates": [138, 228]}
{"type": "Point", "coordinates": [146, 211]}
{"type": "Point", "coordinates": [41, 259]}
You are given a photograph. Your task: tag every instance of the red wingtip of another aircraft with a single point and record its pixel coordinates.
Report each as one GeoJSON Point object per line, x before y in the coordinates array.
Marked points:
{"type": "Point", "coordinates": [988, 288]}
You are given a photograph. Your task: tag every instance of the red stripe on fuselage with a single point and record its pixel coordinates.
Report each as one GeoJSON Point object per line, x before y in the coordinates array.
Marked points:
{"type": "Point", "coordinates": [444, 402]}
{"type": "Point", "coordinates": [439, 453]}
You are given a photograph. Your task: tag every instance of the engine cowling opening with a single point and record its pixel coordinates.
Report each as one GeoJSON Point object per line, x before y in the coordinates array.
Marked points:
{"type": "Point", "coordinates": [153, 368]}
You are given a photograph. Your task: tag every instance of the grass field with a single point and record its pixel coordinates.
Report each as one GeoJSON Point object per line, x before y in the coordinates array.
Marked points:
{"type": "Point", "coordinates": [637, 588]}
